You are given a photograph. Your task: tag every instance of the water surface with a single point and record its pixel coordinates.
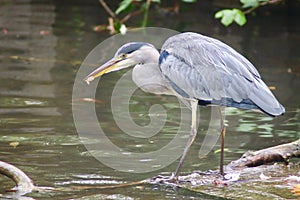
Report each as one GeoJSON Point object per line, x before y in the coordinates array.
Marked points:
{"type": "Point", "coordinates": [42, 45]}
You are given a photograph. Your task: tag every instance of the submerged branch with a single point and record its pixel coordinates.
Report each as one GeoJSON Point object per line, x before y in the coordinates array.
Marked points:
{"type": "Point", "coordinates": [23, 183]}
{"type": "Point", "coordinates": [280, 153]}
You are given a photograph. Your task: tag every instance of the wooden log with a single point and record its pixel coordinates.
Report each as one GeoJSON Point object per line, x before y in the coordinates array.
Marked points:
{"type": "Point", "coordinates": [280, 153]}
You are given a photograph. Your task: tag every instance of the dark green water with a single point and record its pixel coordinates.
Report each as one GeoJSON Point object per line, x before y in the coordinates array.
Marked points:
{"type": "Point", "coordinates": [41, 47]}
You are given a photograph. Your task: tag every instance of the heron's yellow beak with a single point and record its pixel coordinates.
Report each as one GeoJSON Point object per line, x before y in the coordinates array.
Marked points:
{"type": "Point", "coordinates": [112, 65]}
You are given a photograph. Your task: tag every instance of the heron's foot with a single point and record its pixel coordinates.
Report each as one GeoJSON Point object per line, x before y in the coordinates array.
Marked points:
{"type": "Point", "coordinates": [160, 179]}
{"type": "Point", "coordinates": [196, 178]}
{"type": "Point", "coordinates": [171, 180]}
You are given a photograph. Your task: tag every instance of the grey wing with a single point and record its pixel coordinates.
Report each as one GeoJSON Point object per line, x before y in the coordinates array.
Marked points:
{"type": "Point", "coordinates": [204, 68]}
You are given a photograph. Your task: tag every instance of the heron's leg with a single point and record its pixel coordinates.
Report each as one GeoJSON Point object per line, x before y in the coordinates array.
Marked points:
{"type": "Point", "coordinates": [223, 132]}
{"type": "Point", "coordinates": [193, 133]}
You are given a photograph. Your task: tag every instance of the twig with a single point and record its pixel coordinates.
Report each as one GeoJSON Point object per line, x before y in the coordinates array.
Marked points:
{"type": "Point", "coordinates": [111, 27]}
{"type": "Point", "coordinates": [261, 4]}
{"type": "Point", "coordinates": [107, 9]}
{"type": "Point", "coordinates": [132, 14]}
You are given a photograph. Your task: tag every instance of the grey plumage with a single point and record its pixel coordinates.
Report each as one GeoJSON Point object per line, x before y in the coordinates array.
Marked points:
{"type": "Point", "coordinates": [198, 67]}
{"type": "Point", "coordinates": [216, 73]}
{"type": "Point", "coordinates": [198, 70]}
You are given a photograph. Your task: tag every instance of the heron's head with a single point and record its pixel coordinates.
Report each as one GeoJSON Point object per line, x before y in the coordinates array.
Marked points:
{"type": "Point", "coordinates": [128, 55]}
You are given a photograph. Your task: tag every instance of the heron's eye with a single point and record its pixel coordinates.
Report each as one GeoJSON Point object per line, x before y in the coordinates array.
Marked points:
{"type": "Point", "coordinates": [123, 55]}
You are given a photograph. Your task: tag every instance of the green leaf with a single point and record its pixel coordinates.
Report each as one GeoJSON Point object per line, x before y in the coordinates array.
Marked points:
{"type": "Point", "coordinates": [219, 14]}
{"type": "Point", "coordinates": [123, 5]}
{"type": "Point", "coordinates": [226, 15]}
{"type": "Point", "coordinates": [249, 3]}
{"type": "Point", "coordinates": [240, 17]}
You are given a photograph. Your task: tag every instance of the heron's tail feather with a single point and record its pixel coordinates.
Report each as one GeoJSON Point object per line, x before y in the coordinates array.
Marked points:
{"type": "Point", "coordinates": [259, 98]}
{"type": "Point", "coordinates": [265, 100]}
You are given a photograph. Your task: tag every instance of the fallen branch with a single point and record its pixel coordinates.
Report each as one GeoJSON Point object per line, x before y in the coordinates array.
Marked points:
{"type": "Point", "coordinates": [23, 183]}
{"type": "Point", "coordinates": [280, 153]}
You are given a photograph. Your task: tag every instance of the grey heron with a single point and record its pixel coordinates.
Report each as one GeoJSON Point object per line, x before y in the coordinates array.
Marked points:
{"type": "Point", "coordinates": [199, 70]}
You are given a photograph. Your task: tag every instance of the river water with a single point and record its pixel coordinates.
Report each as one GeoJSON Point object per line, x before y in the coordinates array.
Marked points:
{"type": "Point", "coordinates": [42, 46]}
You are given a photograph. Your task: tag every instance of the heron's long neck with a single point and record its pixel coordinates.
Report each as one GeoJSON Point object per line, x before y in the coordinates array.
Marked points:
{"type": "Point", "coordinates": [147, 75]}
{"type": "Point", "coordinates": [151, 55]}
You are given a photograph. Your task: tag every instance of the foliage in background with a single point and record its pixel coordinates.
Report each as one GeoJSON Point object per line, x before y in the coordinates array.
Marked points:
{"type": "Point", "coordinates": [228, 16]}
{"type": "Point", "coordinates": [131, 8]}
